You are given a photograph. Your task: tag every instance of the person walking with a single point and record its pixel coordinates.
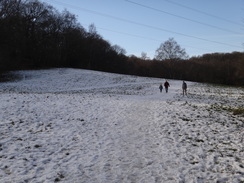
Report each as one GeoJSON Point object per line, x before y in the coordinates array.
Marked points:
{"type": "Point", "coordinates": [161, 87]}
{"type": "Point", "coordinates": [184, 88]}
{"type": "Point", "coordinates": [166, 86]}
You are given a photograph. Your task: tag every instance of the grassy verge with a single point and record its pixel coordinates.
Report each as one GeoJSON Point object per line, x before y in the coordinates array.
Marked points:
{"type": "Point", "coordinates": [235, 110]}
{"type": "Point", "coordinates": [238, 111]}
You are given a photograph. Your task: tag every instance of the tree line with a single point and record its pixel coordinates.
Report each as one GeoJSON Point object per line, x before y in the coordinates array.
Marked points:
{"type": "Point", "coordinates": [218, 68]}
{"type": "Point", "coordinates": [34, 35]}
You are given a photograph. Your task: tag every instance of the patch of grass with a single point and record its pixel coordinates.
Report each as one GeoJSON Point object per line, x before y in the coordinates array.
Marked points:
{"type": "Point", "coordinates": [238, 111]}
{"type": "Point", "coordinates": [217, 107]}
{"type": "Point", "coordinates": [8, 76]}
{"type": "Point", "coordinates": [235, 111]}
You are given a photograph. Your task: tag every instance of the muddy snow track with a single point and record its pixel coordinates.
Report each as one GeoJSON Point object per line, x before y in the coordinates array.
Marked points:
{"type": "Point", "coordinates": [168, 141]}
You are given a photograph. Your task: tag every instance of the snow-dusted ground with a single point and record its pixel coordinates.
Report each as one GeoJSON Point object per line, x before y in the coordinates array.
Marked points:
{"type": "Point", "coordinates": [81, 126]}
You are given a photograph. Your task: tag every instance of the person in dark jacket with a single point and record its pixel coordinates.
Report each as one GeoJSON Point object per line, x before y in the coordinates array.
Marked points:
{"type": "Point", "coordinates": [184, 88]}
{"type": "Point", "coordinates": [161, 87]}
{"type": "Point", "coordinates": [166, 86]}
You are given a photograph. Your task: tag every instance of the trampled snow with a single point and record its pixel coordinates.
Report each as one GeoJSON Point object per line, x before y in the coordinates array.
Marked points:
{"type": "Point", "coordinates": [82, 126]}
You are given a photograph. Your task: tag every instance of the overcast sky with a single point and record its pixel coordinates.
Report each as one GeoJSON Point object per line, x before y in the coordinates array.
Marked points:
{"type": "Point", "coordinates": [198, 26]}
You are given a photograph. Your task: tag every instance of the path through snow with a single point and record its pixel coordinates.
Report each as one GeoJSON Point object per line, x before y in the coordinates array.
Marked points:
{"type": "Point", "coordinates": [67, 125]}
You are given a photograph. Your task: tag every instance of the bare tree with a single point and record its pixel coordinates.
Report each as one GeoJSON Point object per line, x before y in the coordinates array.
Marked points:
{"type": "Point", "coordinates": [93, 32]}
{"type": "Point", "coordinates": [119, 50]}
{"type": "Point", "coordinates": [171, 50]}
{"type": "Point", "coordinates": [144, 56]}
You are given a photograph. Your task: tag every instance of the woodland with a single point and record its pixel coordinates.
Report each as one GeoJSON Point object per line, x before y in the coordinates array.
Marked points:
{"type": "Point", "coordinates": [34, 35]}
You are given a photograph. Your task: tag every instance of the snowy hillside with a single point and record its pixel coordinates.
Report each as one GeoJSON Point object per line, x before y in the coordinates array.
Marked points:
{"type": "Point", "coordinates": [81, 126]}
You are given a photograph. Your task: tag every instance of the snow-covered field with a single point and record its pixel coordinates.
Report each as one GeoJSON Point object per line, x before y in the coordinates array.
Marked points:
{"type": "Point", "coordinates": [81, 126]}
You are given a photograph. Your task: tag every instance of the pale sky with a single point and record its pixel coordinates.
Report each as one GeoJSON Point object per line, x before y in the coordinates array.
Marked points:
{"type": "Point", "coordinates": [198, 26]}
